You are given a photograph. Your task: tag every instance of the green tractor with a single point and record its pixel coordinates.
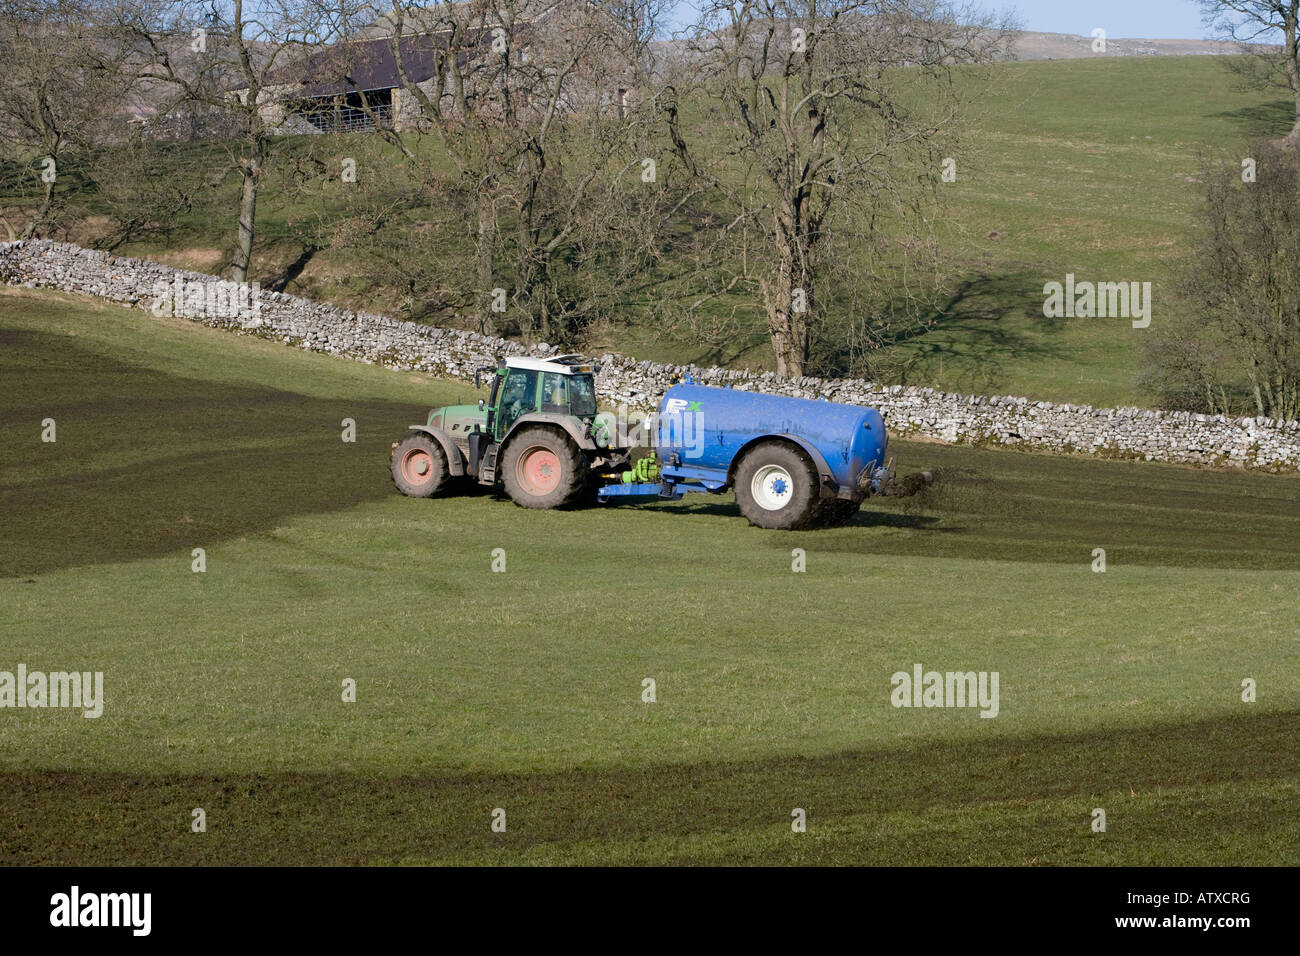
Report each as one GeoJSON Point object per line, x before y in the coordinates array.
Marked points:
{"type": "Point", "coordinates": [538, 433]}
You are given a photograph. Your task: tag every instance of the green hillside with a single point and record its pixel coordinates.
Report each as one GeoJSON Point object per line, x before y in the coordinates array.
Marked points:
{"type": "Point", "coordinates": [1083, 166]}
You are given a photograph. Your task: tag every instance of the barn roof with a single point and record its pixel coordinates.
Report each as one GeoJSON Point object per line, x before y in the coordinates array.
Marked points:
{"type": "Point", "coordinates": [369, 64]}
{"type": "Point", "coordinates": [365, 65]}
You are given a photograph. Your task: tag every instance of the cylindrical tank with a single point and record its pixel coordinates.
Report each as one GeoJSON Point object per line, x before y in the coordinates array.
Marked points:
{"type": "Point", "coordinates": [707, 427]}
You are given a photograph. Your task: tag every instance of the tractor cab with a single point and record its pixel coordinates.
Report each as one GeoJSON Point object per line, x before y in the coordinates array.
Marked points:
{"type": "Point", "coordinates": [564, 386]}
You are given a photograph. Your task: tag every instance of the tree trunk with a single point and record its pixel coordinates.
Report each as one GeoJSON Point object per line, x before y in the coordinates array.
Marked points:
{"type": "Point", "coordinates": [1290, 28]}
{"type": "Point", "coordinates": [1253, 376]}
{"type": "Point", "coordinates": [252, 173]}
{"type": "Point", "coordinates": [526, 265]}
{"type": "Point", "coordinates": [39, 218]}
{"type": "Point", "coordinates": [789, 301]}
{"type": "Point", "coordinates": [524, 282]}
{"type": "Point", "coordinates": [484, 260]}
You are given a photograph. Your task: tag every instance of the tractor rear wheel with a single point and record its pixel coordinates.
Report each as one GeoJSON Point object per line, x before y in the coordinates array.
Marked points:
{"type": "Point", "coordinates": [542, 469]}
{"type": "Point", "coordinates": [419, 466]}
{"type": "Point", "coordinates": [777, 487]}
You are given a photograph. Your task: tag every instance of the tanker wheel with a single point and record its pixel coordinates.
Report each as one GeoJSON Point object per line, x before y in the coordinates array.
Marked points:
{"type": "Point", "coordinates": [542, 469]}
{"type": "Point", "coordinates": [419, 467]}
{"type": "Point", "coordinates": [777, 487]}
{"type": "Point", "coordinates": [833, 512]}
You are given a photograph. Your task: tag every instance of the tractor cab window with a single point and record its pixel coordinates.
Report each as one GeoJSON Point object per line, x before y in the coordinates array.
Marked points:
{"type": "Point", "coordinates": [555, 393]}
{"type": "Point", "coordinates": [568, 394]}
{"type": "Point", "coordinates": [517, 396]}
{"type": "Point", "coordinates": [582, 395]}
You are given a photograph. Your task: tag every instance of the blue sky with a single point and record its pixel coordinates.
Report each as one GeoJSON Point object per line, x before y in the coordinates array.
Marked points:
{"type": "Point", "coordinates": [1152, 19]}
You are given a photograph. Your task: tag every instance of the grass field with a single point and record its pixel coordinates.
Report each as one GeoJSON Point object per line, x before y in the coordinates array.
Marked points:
{"type": "Point", "coordinates": [1083, 166]}
{"type": "Point", "coordinates": [479, 690]}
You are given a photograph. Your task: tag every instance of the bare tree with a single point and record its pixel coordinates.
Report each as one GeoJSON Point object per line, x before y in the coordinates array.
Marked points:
{"type": "Point", "coordinates": [538, 107]}
{"type": "Point", "coordinates": [1260, 26]}
{"type": "Point", "coordinates": [228, 56]}
{"type": "Point", "coordinates": [1241, 334]}
{"type": "Point", "coordinates": [59, 89]}
{"type": "Point", "coordinates": [145, 187]}
{"type": "Point", "coordinates": [836, 116]}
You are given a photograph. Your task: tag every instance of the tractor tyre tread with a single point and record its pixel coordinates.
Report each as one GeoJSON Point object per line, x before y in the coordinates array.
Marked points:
{"type": "Point", "coordinates": [573, 468]}
{"type": "Point", "coordinates": [437, 482]}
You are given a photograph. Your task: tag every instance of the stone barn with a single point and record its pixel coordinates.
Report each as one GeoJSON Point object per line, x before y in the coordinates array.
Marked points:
{"type": "Point", "coordinates": [354, 85]}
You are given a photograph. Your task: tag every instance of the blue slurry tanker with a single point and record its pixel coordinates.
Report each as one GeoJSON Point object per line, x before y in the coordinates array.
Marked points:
{"type": "Point", "coordinates": [793, 462]}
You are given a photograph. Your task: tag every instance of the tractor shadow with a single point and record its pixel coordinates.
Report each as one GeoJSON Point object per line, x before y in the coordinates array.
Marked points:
{"type": "Point", "coordinates": [147, 463]}
{"type": "Point", "coordinates": [726, 508]}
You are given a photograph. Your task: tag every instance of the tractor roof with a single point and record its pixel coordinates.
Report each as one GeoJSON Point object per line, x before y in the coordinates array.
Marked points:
{"type": "Point", "coordinates": [564, 364]}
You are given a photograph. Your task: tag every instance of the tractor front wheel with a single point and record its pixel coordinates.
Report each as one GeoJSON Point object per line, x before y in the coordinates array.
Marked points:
{"type": "Point", "coordinates": [542, 469]}
{"type": "Point", "coordinates": [419, 467]}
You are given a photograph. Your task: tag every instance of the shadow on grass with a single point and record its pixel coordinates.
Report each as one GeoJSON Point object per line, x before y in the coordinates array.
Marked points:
{"type": "Point", "coordinates": [865, 518]}
{"type": "Point", "coordinates": [1263, 120]}
{"type": "Point", "coordinates": [1215, 791]}
{"type": "Point", "coordinates": [147, 463]}
{"type": "Point", "coordinates": [279, 281]}
{"type": "Point", "coordinates": [968, 339]}
{"type": "Point", "coordinates": [732, 351]}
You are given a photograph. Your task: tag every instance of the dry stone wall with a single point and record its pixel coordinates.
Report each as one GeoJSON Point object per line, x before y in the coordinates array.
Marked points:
{"type": "Point", "coordinates": [1257, 443]}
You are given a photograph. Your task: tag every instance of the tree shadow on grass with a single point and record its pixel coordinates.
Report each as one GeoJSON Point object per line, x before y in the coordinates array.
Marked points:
{"type": "Point", "coordinates": [966, 340]}
{"type": "Point", "coordinates": [279, 281]}
{"type": "Point", "coordinates": [1264, 120]}
{"type": "Point", "coordinates": [746, 341]}
{"type": "Point", "coordinates": [1216, 791]}
{"type": "Point", "coordinates": [147, 463]}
